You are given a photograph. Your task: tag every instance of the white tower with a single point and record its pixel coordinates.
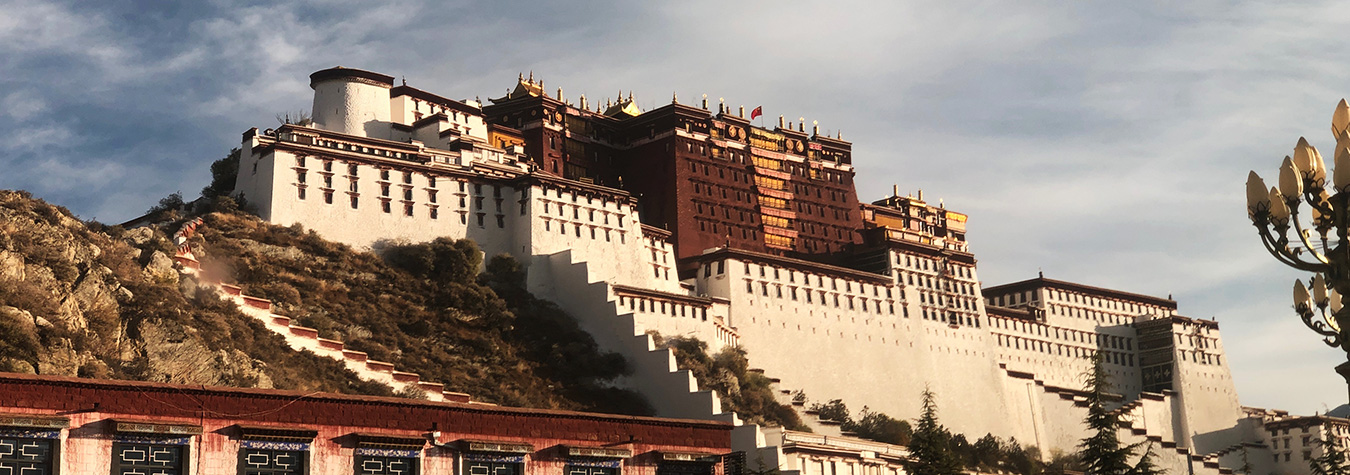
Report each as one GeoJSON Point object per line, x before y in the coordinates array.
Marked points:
{"type": "Point", "coordinates": [352, 101]}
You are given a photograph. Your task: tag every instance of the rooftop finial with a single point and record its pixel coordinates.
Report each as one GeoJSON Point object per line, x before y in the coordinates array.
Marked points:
{"type": "Point", "coordinates": [405, 80]}
{"type": "Point", "coordinates": [531, 76]}
{"type": "Point", "coordinates": [583, 102]}
{"type": "Point", "coordinates": [741, 112]}
{"type": "Point", "coordinates": [520, 77]}
{"type": "Point", "coordinates": [674, 98]}
{"type": "Point", "coordinates": [630, 95]}
{"type": "Point", "coordinates": [705, 102]}
{"type": "Point", "coordinates": [801, 124]}
{"type": "Point", "coordinates": [560, 97]}
{"type": "Point", "coordinates": [780, 121]}
{"type": "Point", "coordinates": [815, 127]}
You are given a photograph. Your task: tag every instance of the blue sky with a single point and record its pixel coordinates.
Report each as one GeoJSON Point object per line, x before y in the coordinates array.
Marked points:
{"type": "Point", "coordinates": [1103, 143]}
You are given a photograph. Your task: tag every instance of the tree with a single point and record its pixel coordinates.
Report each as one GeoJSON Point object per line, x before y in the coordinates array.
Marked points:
{"type": "Point", "coordinates": [223, 174]}
{"type": "Point", "coordinates": [1102, 453]}
{"type": "Point", "coordinates": [880, 427]}
{"type": "Point", "coordinates": [930, 448]}
{"type": "Point", "coordinates": [1332, 461]}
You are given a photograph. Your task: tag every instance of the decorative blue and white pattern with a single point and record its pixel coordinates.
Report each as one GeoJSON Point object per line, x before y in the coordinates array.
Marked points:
{"type": "Point", "coordinates": [397, 453]}
{"type": "Point", "coordinates": [272, 445]}
{"type": "Point", "coordinates": [494, 458]}
{"type": "Point", "coordinates": [594, 462]}
{"type": "Point", "coordinates": [150, 439]}
{"type": "Point", "coordinates": [31, 433]}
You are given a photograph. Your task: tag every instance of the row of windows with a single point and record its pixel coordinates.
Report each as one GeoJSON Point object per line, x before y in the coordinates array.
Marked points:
{"type": "Point", "coordinates": [37, 453]}
{"type": "Point", "coordinates": [595, 232]}
{"type": "Point", "coordinates": [1105, 303]}
{"type": "Point", "coordinates": [941, 285]}
{"type": "Point", "coordinates": [924, 263]}
{"type": "Point", "coordinates": [549, 206]}
{"type": "Point", "coordinates": [866, 305]}
{"type": "Point", "coordinates": [663, 307]}
{"type": "Point", "coordinates": [1019, 343]}
{"type": "Point", "coordinates": [951, 318]}
{"type": "Point", "coordinates": [764, 272]}
{"type": "Point", "coordinates": [1040, 329]}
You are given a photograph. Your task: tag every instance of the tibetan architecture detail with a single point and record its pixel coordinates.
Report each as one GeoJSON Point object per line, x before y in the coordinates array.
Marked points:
{"type": "Point", "coordinates": [689, 221]}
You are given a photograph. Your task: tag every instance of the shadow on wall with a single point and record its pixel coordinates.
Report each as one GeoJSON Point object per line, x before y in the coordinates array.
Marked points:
{"type": "Point", "coordinates": [379, 129]}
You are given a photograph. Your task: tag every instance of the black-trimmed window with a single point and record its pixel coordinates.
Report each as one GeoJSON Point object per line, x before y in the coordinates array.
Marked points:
{"type": "Point", "coordinates": [258, 457]}
{"type": "Point", "coordinates": [374, 461]}
{"type": "Point", "coordinates": [29, 451]}
{"type": "Point", "coordinates": [149, 455]}
{"type": "Point", "coordinates": [667, 467]}
{"type": "Point", "coordinates": [492, 464]}
{"type": "Point", "coordinates": [607, 467]}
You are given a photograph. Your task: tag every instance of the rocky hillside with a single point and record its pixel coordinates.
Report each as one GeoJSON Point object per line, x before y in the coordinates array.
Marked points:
{"type": "Point", "coordinates": [425, 308]}
{"type": "Point", "coordinates": [99, 301]}
{"type": "Point", "coordinates": [94, 301]}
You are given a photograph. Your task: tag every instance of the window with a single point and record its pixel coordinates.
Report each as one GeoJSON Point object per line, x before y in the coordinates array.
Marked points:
{"type": "Point", "coordinates": [140, 455]}
{"type": "Point", "coordinates": [354, 202]}
{"type": "Point", "coordinates": [301, 192]}
{"type": "Point", "coordinates": [407, 210]}
{"type": "Point", "coordinates": [483, 464]}
{"type": "Point", "coordinates": [384, 206]}
{"type": "Point", "coordinates": [433, 213]}
{"type": "Point", "coordinates": [28, 451]}
{"type": "Point", "coordinates": [371, 461]}
{"type": "Point", "coordinates": [273, 458]}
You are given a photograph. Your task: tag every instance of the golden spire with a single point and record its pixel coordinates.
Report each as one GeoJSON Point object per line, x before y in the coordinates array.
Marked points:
{"type": "Point", "coordinates": [674, 98]}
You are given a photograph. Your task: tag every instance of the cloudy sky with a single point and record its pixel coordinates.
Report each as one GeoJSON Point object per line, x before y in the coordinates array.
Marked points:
{"type": "Point", "coordinates": [1103, 143]}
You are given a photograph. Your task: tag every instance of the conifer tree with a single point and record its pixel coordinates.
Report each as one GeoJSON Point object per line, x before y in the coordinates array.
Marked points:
{"type": "Point", "coordinates": [1332, 461]}
{"type": "Point", "coordinates": [1102, 453]}
{"type": "Point", "coordinates": [929, 448]}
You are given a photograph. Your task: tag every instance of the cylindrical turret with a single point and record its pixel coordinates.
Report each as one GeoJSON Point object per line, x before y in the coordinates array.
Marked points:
{"type": "Point", "coordinates": [352, 101]}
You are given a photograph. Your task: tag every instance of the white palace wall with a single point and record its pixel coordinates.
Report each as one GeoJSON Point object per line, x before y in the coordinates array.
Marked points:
{"type": "Point", "coordinates": [868, 354]}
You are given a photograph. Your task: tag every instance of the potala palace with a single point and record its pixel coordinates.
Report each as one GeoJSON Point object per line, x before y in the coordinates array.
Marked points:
{"type": "Point", "coordinates": [689, 220]}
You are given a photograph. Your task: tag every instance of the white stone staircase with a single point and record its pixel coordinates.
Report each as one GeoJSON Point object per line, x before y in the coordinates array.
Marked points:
{"type": "Point", "coordinates": [301, 338]}
{"type": "Point", "coordinates": [671, 391]}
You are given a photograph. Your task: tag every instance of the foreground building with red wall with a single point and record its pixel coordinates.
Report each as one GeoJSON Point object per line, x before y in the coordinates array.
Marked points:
{"type": "Point", "coordinates": [58, 425]}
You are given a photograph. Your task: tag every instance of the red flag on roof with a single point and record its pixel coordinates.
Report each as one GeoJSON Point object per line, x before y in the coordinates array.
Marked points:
{"type": "Point", "coordinates": [757, 112]}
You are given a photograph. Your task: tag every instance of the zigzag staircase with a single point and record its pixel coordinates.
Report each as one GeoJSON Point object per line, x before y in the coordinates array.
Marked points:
{"type": "Point", "coordinates": [301, 338]}
{"type": "Point", "coordinates": [671, 391]}
{"type": "Point", "coordinates": [1132, 430]}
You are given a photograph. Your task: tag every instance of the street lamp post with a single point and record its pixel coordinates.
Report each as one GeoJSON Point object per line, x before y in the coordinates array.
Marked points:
{"type": "Point", "coordinates": [1323, 248]}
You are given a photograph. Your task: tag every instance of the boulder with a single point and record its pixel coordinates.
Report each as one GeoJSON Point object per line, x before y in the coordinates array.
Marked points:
{"type": "Point", "coordinates": [159, 267]}
{"type": "Point", "coordinates": [11, 265]}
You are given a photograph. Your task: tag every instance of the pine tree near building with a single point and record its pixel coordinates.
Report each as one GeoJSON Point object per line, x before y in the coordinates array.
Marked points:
{"type": "Point", "coordinates": [1102, 453]}
{"type": "Point", "coordinates": [1332, 461]}
{"type": "Point", "coordinates": [930, 447]}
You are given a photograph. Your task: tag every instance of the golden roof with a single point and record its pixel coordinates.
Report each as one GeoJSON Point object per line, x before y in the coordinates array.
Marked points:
{"type": "Point", "coordinates": [626, 107]}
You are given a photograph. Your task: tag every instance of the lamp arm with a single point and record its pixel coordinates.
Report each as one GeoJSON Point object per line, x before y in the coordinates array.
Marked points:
{"type": "Point", "coordinates": [1275, 249]}
{"type": "Point", "coordinates": [1315, 200]}
{"type": "Point", "coordinates": [1302, 236]}
{"type": "Point", "coordinates": [1318, 326]}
